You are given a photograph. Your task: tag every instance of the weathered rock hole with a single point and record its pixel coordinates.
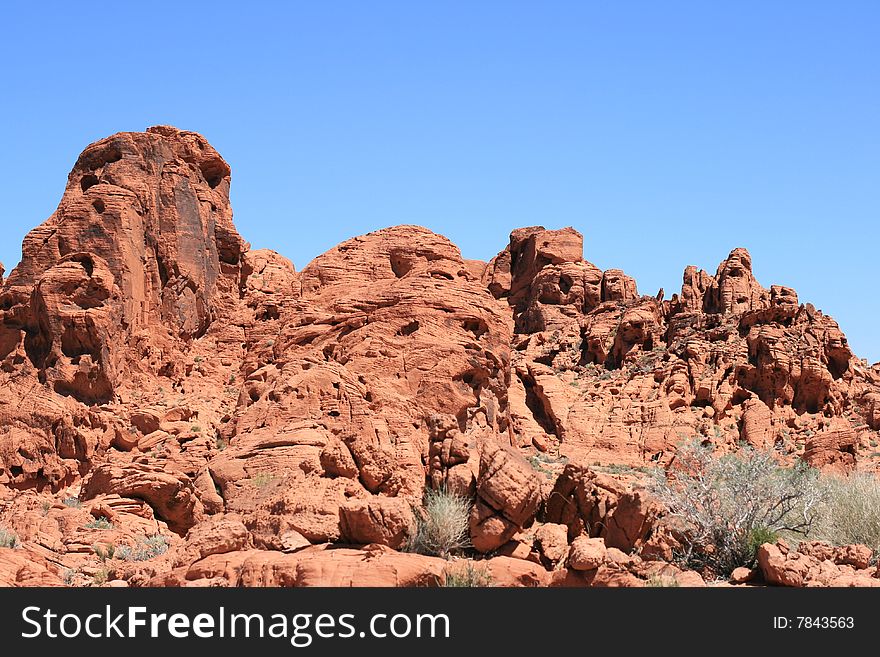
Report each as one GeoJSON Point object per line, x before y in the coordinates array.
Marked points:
{"type": "Point", "coordinates": [565, 283]}
{"type": "Point", "coordinates": [409, 329]}
{"type": "Point", "coordinates": [87, 263]}
{"type": "Point", "coordinates": [400, 265]}
{"type": "Point", "coordinates": [88, 180]}
{"type": "Point", "coordinates": [477, 327]}
{"type": "Point", "coordinates": [99, 206]}
{"type": "Point", "coordinates": [838, 365]}
{"type": "Point", "coordinates": [270, 312]}
{"type": "Point", "coordinates": [214, 170]}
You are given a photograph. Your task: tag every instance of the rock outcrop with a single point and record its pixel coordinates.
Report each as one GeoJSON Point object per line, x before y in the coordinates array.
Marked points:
{"type": "Point", "coordinates": [217, 417]}
{"type": "Point", "coordinates": [817, 564]}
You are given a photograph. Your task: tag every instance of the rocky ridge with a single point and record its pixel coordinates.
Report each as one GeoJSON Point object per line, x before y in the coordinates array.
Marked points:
{"type": "Point", "coordinates": [161, 381]}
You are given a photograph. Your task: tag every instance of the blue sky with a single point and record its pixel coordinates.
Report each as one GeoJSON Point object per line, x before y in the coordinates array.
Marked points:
{"type": "Point", "coordinates": [666, 132]}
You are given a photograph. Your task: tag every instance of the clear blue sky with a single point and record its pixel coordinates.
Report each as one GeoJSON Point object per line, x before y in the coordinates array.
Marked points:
{"type": "Point", "coordinates": [666, 132]}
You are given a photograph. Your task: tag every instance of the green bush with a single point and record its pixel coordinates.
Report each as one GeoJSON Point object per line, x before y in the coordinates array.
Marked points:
{"type": "Point", "coordinates": [757, 537]}
{"type": "Point", "coordinates": [441, 524]}
{"type": "Point", "coordinates": [468, 576]}
{"type": "Point", "coordinates": [721, 506]}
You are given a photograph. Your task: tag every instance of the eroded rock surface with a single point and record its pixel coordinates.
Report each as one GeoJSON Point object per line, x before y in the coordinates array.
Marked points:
{"type": "Point", "coordinates": [168, 393]}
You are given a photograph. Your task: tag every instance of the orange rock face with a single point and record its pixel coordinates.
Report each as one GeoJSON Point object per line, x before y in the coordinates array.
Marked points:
{"type": "Point", "coordinates": [219, 418]}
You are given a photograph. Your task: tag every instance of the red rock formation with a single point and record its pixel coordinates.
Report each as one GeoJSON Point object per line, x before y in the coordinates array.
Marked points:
{"type": "Point", "coordinates": [817, 564]}
{"type": "Point", "coordinates": [161, 382]}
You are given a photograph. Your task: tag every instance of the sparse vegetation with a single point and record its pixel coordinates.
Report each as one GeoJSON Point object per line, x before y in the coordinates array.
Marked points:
{"type": "Point", "coordinates": [725, 506]}
{"type": "Point", "coordinates": [622, 468]}
{"type": "Point", "coordinates": [261, 480]}
{"type": "Point", "coordinates": [617, 468]}
{"type": "Point", "coordinates": [100, 577]}
{"type": "Point", "coordinates": [539, 460]}
{"type": "Point", "coordinates": [441, 524]}
{"type": "Point", "coordinates": [470, 575]}
{"type": "Point", "coordinates": [538, 465]}
{"type": "Point", "coordinates": [147, 547]}
{"type": "Point", "coordinates": [850, 512]}
{"type": "Point", "coordinates": [662, 581]}
{"type": "Point", "coordinates": [104, 552]}
{"type": "Point", "coordinates": [72, 502]}
{"type": "Point", "coordinates": [8, 539]}
{"type": "Point", "coordinates": [99, 523]}
{"type": "Point", "coordinates": [195, 428]}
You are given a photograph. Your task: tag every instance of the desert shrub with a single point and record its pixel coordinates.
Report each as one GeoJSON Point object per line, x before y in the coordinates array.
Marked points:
{"type": "Point", "coordinates": [538, 465]}
{"type": "Point", "coordinates": [262, 480]}
{"type": "Point", "coordinates": [662, 582]}
{"type": "Point", "coordinates": [72, 502]}
{"type": "Point", "coordinates": [104, 552]}
{"type": "Point", "coordinates": [468, 576]}
{"type": "Point", "coordinates": [100, 577]}
{"type": "Point", "coordinates": [724, 506]}
{"type": "Point", "coordinates": [99, 523]}
{"type": "Point", "coordinates": [147, 547]}
{"type": "Point", "coordinates": [441, 524]}
{"type": "Point", "coordinates": [758, 536]}
{"type": "Point", "coordinates": [8, 539]}
{"type": "Point", "coordinates": [850, 512]}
